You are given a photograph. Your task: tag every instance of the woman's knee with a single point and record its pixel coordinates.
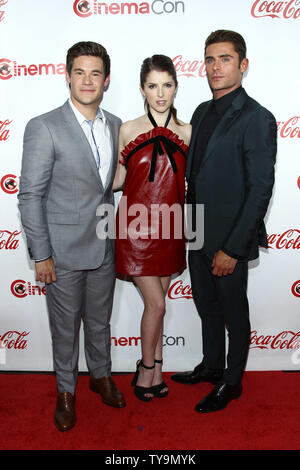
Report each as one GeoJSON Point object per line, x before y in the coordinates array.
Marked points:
{"type": "Point", "coordinates": [157, 307]}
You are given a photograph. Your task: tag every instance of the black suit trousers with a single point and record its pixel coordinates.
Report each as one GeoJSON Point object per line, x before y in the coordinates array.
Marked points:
{"type": "Point", "coordinates": [222, 304]}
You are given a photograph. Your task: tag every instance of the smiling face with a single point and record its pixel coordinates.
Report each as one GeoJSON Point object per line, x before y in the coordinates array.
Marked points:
{"type": "Point", "coordinates": [224, 72]}
{"type": "Point", "coordinates": [87, 82]}
{"type": "Point", "coordinates": [159, 90]}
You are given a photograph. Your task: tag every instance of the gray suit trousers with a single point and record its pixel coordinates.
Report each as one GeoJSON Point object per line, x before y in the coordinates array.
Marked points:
{"type": "Point", "coordinates": [88, 296]}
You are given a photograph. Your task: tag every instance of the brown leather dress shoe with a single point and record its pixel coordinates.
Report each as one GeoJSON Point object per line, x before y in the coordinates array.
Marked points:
{"type": "Point", "coordinates": [64, 416]}
{"type": "Point", "coordinates": [109, 392]}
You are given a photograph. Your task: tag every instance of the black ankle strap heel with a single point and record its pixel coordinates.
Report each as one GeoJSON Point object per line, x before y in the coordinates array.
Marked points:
{"type": "Point", "coordinates": [140, 391]}
{"type": "Point", "coordinates": [157, 389]}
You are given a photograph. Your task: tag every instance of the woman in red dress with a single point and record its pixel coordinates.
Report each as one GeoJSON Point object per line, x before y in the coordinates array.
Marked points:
{"type": "Point", "coordinates": [150, 243]}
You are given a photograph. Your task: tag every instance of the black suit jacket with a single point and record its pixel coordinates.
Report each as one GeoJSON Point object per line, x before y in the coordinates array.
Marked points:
{"type": "Point", "coordinates": [236, 177]}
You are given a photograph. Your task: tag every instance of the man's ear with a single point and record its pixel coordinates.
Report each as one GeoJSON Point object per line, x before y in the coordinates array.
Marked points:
{"type": "Point", "coordinates": [107, 81]}
{"type": "Point", "coordinates": [244, 65]}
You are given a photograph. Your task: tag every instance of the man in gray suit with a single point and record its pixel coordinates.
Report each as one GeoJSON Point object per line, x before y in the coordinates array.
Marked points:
{"type": "Point", "coordinates": [69, 162]}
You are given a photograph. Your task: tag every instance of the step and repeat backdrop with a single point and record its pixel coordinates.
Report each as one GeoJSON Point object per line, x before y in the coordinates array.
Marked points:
{"type": "Point", "coordinates": [35, 37]}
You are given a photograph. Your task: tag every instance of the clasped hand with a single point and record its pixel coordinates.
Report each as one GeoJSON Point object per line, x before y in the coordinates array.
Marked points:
{"type": "Point", "coordinates": [223, 264]}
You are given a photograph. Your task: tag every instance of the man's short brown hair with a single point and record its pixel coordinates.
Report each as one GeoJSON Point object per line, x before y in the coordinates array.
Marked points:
{"type": "Point", "coordinates": [224, 35]}
{"type": "Point", "coordinates": [88, 48]}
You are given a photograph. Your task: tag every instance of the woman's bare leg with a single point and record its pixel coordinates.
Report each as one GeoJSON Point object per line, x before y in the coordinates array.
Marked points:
{"type": "Point", "coordinates": [157, 378]}
{"type": "Point", "coordinates": [151, 324]}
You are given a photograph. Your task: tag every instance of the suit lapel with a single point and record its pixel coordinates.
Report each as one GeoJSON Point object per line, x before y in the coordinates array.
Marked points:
{"type": "Point", "coordinates": [113, 140]}
{"type": "Point", "coordinates": [83, 146]}
{"type": "Point", "coordinates": [225, 123]}
{"type": "Point", "coordinates": [194, 139]}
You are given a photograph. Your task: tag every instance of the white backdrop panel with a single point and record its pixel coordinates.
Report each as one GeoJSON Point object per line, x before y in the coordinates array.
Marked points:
{"type": "Point", "coordinates": [35, 37]}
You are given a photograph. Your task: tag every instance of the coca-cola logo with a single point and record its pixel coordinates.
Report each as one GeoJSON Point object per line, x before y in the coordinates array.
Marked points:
{"type": "Point", "coordinates": [189, 68]}
{"type": "Point", "coordinates": [14, 340]}
{"type": "Point", "coordinates": [4, 132]}
{"type": "Point", "coordinates": [290, 239]}
{"type": "Point", "coordinates": [2, 13]}
{"type": "Point", "coordinates": [9, 240]}
{"type": "Point", "coordinates": [20, 289]}
{"type": "Point", "coordinates": [285, 10]}
{"type": "Point", "coordinates": [289, 128]}
{"type": "Point", "coordinates": [296, 289]}
{"type": "Point", "coordinates": [9, 184]}
{"type": "Point", "coordinates": [84, 8]}
{"type": "Point", "coordinates": [9, 69]}
{"type": "Point", "coordinates": [180, 291]}
{"type": "Point", "coordinates": [282, 340]}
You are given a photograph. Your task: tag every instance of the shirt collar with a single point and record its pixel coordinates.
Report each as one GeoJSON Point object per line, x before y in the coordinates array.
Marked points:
{"type": "Point", "coordinates": [222, 104]}
{"type": "Point", "coordinates": [81, 119]}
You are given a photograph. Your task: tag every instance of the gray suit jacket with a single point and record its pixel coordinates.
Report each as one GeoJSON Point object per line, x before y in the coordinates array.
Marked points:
{"type": "Point", "coordinates": [60, 190]}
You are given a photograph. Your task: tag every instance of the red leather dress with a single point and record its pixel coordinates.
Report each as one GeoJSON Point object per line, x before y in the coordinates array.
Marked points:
{"type": "Point", "coordinates": [150, 237]}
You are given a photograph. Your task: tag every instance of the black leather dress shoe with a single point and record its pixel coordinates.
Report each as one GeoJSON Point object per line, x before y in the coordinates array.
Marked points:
{"type": "Point", "coordinates": [199, 374]}
{"type": "Point", "coordinates": [219, 398]}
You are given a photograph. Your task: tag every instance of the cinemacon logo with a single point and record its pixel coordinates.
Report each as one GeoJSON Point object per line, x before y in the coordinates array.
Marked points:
{"type": "Point", "coordinates": [84, 8]}
{"type": "Point", "coordinates": [284, 10]}
{"type": "Point", "coordinates": [10, 68]}
{"type": "Point", "coordinates": [296, 289]}
{"type": "Point", "coordinates": [10, 184]}
{"type": "Point", "coordinates": [20, 288]}
{"type": "Point", "coordinates": [133, 341]}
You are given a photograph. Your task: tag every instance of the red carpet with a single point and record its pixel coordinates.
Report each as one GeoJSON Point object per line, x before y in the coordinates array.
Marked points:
{"type": "Point", "coordinates": [266, 417]}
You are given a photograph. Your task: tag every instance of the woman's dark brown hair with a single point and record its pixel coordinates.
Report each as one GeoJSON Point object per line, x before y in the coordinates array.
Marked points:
{"type": "Point", "coordinates": [160, 63]}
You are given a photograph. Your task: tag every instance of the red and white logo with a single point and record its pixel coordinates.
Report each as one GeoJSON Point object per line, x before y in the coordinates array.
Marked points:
{"type": "Point", "coordinates": [296, 289]}
{"type": "Point", "coordinates": [9, 184]}
{"type": "Point", "coordinates": [284, 10]}
{"type": "Point", "coordinates": [298, 182]}
{"type": "Point", "coordinates": [179, 291]}
{"type": "Point", "coordinates": [283, 340]}
{"type": "Point", "coordinates": [84, 9]}
{"type": "Point", "coordinates": [189, 68]}
{"type": "Point", "coordinates": [2, 13]}
{"type": "Point", "coordinates": [20, 288]}
{"type": "Point", "coordinates": [14, 340]}
{"type": "Point", "coordinates": [289, 128]}
{"type": "Point", "coordinates": [4, 132]}
{"type": "Point", "coordinates": [290, 239]}
{"type": "Point", "coordinates": [9, 240]}
{"type": "Point", "coordinates": [9, 69]}
{"type": "Point", "coordinates": [134, 341]}
{"type": "Point", "coordinates": [5, 69]}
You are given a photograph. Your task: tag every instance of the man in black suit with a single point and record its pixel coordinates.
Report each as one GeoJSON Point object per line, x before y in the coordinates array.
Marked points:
{"type": "Point", "coordinates": [230, 169]}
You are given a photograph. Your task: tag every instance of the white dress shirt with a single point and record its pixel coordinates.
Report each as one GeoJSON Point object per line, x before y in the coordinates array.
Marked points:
{"type": "Point", "coordinates": [102, 137]}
